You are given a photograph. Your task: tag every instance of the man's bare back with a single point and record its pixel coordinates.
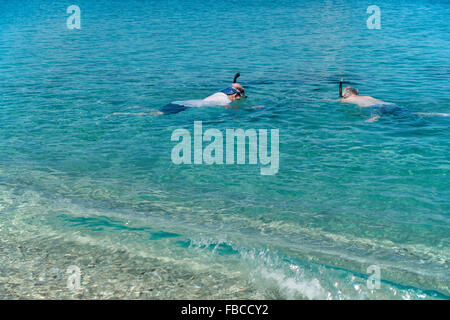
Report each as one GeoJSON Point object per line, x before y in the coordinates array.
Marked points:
{"type": "Point", "coordinates": [351, 95]}
{"type": "Point", "coordinates": [363, 101]}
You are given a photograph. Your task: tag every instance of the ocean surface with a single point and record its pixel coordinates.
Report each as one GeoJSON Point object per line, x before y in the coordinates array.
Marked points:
{"type": "Point", "coordinates": [84, 183]}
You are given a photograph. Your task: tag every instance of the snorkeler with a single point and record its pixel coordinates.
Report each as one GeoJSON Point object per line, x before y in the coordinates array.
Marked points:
{"type": "Point", "coordinates": [378, 107]}
{"type": "Point", "coordinates": [222, 98]}
{"type": "Point", "coordinates": [351, 95]}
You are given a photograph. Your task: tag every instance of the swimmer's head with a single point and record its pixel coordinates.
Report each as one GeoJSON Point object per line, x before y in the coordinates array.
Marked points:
{"type": "Point", "coordinates": [349, 91]}
{"type": "Point", "coordinates": [239, 88]}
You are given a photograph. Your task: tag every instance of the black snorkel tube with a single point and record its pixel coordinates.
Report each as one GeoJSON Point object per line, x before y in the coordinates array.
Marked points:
{"type": "Point", "coordinates": [340, 87]}
{"type": "Point", "coordinates": [237, 75]}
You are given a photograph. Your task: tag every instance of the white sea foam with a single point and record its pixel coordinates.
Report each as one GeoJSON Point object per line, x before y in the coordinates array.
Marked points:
{"type": "Point", "coordinates": [292, 287]}
{"type": "Point", "coordinates": [433, 114]}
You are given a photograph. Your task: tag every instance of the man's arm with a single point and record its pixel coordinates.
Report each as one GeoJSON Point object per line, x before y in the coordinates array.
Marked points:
{"type": "Point", "coordinates": [373, 118]}
{"type": "Point", "coordinates": [239, 107]}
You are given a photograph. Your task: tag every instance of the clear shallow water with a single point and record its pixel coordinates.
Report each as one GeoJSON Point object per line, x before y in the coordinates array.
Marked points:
{"type": "Point", "coordinates": [348, 194]}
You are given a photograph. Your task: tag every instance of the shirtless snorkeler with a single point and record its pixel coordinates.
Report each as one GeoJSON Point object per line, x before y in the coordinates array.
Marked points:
{"type": "Point", "coordinates": [351, 95]}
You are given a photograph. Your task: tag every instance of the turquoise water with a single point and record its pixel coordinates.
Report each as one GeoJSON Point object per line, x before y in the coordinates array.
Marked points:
{"type": "Point", "coordinates": [348, 194]}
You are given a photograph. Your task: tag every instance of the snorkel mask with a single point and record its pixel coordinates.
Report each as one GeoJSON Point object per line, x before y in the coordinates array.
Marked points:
{"type": "Point", "coordinates": [232, 90]}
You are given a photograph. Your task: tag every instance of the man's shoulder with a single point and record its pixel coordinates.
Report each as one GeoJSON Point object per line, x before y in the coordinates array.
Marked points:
{"type": "Point", "coordinates": [218, 97]}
